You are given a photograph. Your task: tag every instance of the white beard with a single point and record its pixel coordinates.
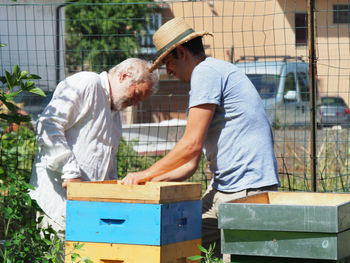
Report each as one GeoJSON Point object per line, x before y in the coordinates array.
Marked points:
{"type": "Point", "coordinates": [119, 102]}
{"type": "Point", "coordinates": [119, 96]}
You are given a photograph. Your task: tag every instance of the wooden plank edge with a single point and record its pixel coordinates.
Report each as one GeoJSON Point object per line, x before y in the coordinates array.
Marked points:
{"type": "Point", "coordinates": [141, 201]}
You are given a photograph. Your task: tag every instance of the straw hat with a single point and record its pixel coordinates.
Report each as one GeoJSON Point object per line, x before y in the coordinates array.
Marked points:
{"type": "Point", "coordinates": [170, 35]}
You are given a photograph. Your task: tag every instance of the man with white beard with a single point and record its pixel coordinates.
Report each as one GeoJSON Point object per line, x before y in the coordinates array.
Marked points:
{"type": "Point", "coordinates": [79, 131]}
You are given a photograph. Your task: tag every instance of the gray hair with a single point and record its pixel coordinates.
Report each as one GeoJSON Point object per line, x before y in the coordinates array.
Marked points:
{"type": "Point", "coordinates": [137, 69]}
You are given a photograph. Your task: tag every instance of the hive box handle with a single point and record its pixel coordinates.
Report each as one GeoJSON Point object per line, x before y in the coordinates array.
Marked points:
{"type": "Point", "coordinates": [182, 221]}
{"type": "Point", "coordinates": [111, 222]}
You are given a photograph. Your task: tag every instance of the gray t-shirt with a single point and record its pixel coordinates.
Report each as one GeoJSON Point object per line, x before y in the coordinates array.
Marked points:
{"type": "Point", "coordinates": [239, 142]}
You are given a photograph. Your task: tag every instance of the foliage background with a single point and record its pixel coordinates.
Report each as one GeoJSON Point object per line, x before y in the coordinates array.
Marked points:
{"type": "Point", "coordinates": [23, 240]}
{"type": "Point", "coordinates": [101, 34]}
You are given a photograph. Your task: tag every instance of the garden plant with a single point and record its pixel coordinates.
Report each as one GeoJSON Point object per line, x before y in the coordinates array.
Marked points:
{"type": "Point", "coordinates": [21, 239]}
{"type": "Point", "coordinates": [207, 255]}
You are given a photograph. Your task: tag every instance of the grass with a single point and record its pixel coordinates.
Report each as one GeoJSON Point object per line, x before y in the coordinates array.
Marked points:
{"type": "Point", "coordinates": [292, 148]}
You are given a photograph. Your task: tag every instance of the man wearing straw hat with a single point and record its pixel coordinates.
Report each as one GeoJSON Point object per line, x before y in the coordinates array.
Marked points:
{"type": "Point", "coordinates": [226, 118]}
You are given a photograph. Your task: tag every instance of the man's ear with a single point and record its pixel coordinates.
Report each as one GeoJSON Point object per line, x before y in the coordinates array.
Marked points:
{"type": "Point", "coordinates": [123, 76]}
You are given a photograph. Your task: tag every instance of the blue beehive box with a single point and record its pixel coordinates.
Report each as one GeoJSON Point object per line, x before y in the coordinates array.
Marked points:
{"type": "Point", "coordinates": [127, 214]}
{"type": "Point", "coordinates": [132, 223]}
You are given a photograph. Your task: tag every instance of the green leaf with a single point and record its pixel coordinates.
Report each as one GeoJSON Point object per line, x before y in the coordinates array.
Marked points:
{"type": "Point", "coordinates": [16, 70]}
{"type": "Point", "coordinates": [78, 246]}
{"type": "Point", "coordinates": [74, 256]}
{"type": "Point", "coordinates": [10, 80]}
{"type": "Point", "coordinates": [23, 75]}
{"type": "Point", "coordinates": [202, 249]}
{"type": "Point", "coordinates": [33, 76]}
{"type": "Point", "coordinates": [7, 243]}
{"type": "Point", "coordinates": [30, 187]}
{"type": "Point", "coordinates": [9, 96]}
{"type": "Point", "coordinates": [7, 212]}
{"type": "Point", "coordinates": [197, 257]}
{"type": "Point", "coordinates": [2, 45]}
{"type": "Point", "coordinates": [29, 84]}
{"type": "Point", "coordinates": [47, 242]}
{"type": "Point", "coordinates": [57, 245]}
{"type": "Point", "coordinates": [37, 91]}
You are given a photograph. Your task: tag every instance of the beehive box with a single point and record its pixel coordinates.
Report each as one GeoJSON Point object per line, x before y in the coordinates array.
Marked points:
{"type": "Point", "coordinates": [123, 253]}
{"type": "Point", "coordinates": [151, 193]}
{"type": "Point", "coordinates": [119, 219]}
{"type": "Point", "coordinates": [261, 259]}
{"type": "Point", "coordinates": [133, 223]}
{"type": "Point", "coordinates": [287, 224]}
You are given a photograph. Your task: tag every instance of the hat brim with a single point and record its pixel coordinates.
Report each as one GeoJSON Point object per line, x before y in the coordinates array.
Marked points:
{"type": "Point", "coordinates": [159, 61]}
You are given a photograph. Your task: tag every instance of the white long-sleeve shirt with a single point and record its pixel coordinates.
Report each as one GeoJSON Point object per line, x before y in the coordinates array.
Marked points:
{"type": "Point", "coordinates": [78, 136]}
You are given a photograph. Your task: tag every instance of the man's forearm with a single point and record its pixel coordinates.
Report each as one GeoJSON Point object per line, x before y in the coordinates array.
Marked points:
{"type": "Point", "coordinates": [187, 148]}
{"type": "Point", "coordinates": [181, 173]}
{"type": "Point", "coordinates": [184, 151]}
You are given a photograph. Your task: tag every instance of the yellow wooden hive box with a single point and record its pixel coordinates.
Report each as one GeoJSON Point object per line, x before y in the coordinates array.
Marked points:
{"type": "Point", "coordinates": [151, 192]}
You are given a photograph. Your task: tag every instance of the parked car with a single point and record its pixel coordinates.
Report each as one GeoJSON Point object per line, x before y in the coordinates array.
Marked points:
{"type": "Point", "coordinates": [334, 111]}
{"type": "Point", "coordinates": [33, 104]}
{"type": "Point", "coordinates": [284, 89]}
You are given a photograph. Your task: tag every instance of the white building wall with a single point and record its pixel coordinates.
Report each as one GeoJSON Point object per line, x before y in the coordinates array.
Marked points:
{"type": "Point", "coordinates": [28, 28]}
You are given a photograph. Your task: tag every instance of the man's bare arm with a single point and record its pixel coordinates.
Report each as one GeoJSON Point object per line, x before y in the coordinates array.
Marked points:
{"type": "Point", "coordinates": [187, 148]}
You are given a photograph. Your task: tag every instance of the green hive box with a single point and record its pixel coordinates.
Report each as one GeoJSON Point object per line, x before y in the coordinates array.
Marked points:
{"type": "Point", "coordinates": [293, 225]}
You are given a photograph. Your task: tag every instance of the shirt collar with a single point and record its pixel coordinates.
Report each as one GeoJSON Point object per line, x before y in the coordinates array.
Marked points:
{"type": "Point", "coordinates": [105, 85]}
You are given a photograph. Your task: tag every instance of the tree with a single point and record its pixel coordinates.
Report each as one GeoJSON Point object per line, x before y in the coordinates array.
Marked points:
{"type": "Point", "coordinates": [100, 35]}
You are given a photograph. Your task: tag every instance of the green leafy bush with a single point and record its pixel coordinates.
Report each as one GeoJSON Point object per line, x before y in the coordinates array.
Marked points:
{"type": "Point", "coordinates": [99, 35]}
{"type": "Point", "coordinates": [23, 241]}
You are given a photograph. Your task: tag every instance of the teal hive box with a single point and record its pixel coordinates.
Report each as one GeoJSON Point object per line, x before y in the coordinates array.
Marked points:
{"type": "Point", "coordinates": [133, 223]}
{"type": "Point", "coordinates": [151, 214]}
{"type": "Point", "coordinates": [285, 226]}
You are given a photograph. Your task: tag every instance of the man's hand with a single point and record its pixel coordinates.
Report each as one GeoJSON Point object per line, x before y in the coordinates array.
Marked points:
{"type": "Point", "coordinates": [65, 181]}
{"type": "Point", "coordinates": [136, 178]}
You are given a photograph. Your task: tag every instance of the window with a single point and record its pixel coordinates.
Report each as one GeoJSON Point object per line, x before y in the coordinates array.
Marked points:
{"type": "Point", "coordinates": [341, 14]}
{"type": "Point", "coordinates": [333, 101]}
{"type": "Point", "coordinates": [290, 83]}
{"type": "Point", "coordinates": [303, 85]}
{"type": "Point", "coordinates": [290, 92]}
{"type": "Point", "coordinates": [300, 29]}
{"type": "Point", "coordinates": [265, 84]}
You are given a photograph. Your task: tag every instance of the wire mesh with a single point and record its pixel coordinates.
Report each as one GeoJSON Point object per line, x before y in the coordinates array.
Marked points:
{"type": "Point", "coordinates": [266, 39]}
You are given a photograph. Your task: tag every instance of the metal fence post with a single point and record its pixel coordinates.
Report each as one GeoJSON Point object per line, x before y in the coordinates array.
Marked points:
{"type": "Point", "coordinates": [313, 93]}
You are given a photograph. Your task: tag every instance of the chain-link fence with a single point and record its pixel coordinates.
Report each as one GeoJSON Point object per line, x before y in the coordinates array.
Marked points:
{"type": "Point", "coordinates": [273, 41]}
